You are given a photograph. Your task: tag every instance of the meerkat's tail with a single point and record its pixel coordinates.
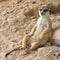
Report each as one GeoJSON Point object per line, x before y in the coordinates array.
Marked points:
{"type": "Point", "coordinates": [8, 53]}
{"type": "Point", "coordinates": [19, 47]}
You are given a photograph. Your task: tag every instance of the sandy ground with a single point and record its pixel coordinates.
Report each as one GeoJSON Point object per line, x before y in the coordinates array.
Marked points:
{"type": "Point", "coordinates": [17, 17]}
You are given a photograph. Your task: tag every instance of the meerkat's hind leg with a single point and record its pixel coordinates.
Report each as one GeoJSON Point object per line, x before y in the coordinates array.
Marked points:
{"type": "Point", "coordinates": [25, 41]}
{"type": "Point", "coordinates": [34, 46]}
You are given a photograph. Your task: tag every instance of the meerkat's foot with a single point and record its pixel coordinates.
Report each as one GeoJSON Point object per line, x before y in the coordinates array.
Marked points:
{"type": "Point", "coordinates": [34, 46]}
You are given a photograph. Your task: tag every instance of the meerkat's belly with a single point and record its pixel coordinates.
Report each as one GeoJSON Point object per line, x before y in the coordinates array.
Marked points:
{"type": "Point", "coordinates": [38, 32]}
{"type": "Point", "coordinates": [45, 38]}
{"type": "Point", "coordinates": [42, 40]}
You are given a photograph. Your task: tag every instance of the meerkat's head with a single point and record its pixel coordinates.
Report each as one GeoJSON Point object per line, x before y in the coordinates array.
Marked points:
{"type": "Point", "coordinates": [44, 11]}
{"type": "Point", "coordinates": [57, 55]}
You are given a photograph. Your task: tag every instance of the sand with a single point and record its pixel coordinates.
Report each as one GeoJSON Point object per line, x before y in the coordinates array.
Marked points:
{"type": "Point", "coordinates": [17, 17]}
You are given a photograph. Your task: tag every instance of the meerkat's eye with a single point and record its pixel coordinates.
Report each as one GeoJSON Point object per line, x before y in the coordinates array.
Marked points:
{"type": "Point", "coordinates": [45, 10]}
{"type": "Point", "coordinates": [59, 54]}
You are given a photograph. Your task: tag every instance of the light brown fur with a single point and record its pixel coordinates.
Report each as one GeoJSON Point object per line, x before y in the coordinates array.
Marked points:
{"type": "Point", "coordinates": [39, 35]}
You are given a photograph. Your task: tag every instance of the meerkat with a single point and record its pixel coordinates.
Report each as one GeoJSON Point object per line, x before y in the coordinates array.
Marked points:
{"type": "Point", "coordinates": [57, 55]}
{"type": "Point", "coordinates": [40, 33]}
{"type": "Point", "coordinates": [48, 53]}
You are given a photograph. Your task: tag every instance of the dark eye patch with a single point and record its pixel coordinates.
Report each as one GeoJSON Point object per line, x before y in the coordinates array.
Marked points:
{"type": "Point", "coordinates": [45, 10]}
{"type": "Point", "coordinates": [59, 54]}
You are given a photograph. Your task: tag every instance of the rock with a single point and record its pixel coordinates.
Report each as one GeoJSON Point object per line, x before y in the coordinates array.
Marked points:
{"type": "Point", "coordinates": [56, 37]}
